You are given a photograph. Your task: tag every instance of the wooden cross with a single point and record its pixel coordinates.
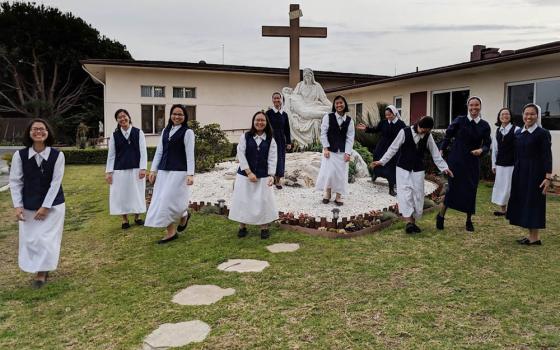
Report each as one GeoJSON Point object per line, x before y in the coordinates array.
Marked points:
{"type": "Point", "coordinates": [294, 32]}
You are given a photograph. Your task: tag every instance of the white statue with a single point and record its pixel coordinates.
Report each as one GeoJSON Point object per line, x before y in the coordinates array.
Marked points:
{"type": "Point", "coordinates": [306, 105]}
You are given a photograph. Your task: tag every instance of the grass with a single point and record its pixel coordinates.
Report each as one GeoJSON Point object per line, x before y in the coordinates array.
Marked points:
{"type": "Point", "coordinates": [388, 290]}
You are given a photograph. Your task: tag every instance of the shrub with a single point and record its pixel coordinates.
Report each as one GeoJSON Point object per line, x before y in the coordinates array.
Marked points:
{"type": "Point", "coordinates": [367, 156]}
{"type": "Point", "coordinates": [8, 158]}
{"type": "Point", "coordinates": [352, 171]}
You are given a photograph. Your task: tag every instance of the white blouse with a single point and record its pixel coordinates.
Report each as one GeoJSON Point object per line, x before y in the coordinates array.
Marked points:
{"type": "Point", "coordinates": [16, 176]}
{"type": "Point", "coordinates": [112, 151]}
{"type": "Point", "coordinates": [272, 153]}
{"type": "Point", "coordinates": [503, 131]}
{"type": "Point", "coordinates": [188, 141]}
{"type": "Point", "coordinates": [349, 135]}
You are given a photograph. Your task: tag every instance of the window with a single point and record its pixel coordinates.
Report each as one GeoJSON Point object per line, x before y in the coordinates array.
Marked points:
{"type": "Point", "coordinates": [191, 112]}
{"type": "Point", "coordinates": [181, 92]}
{"type": "Point", "coordinates": [152, 91]}
{"type": "Point", "coordinates": [355, 110]}
{"type": "Point", "coordinates": [448, 105]}
{"type": "Point", "coordinates": [397, 101]}
{"type": "Point", "coordinates": [545, 93]}
{"type": "Point", "coordinates": [153, 118]}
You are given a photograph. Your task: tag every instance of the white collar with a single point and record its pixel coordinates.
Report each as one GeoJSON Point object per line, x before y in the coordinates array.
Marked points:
{"type": "Point", "coordinates": [339, 116]}
{"type": "Point", "coordinates": [476, 120]}
{"type": "Point", "coordinates": [396, 119]}
{"type": "Point", "coordinates": [281, 110]}
{"type": "Point", "coordinates": [176, 126]}
{"type": "Point", "coordinates": [262, 137]}
{"type": "Point", "coordinates": [127, 130]}
{"type": "Point", "coordinates": [44, 154]}
{"type": "Point", "coordinates": [531, 129]}
{"type": "Point", "coordinates": [507, 128]}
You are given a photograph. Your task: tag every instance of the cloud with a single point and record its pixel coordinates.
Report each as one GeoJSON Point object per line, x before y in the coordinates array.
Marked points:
{"type": "Point", "coordinates": [467, 27]}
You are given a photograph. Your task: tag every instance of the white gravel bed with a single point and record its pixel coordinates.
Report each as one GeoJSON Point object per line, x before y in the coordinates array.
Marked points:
{"type": "Point", "coordinates": [363, 195]}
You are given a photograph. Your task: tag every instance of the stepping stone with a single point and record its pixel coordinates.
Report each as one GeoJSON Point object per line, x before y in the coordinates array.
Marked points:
{"type": "Point", "coordinates": [201, 295]}
{"type": "Point", "coordinates": [283, 247]}
{"type": "Point", "coordinates": [243, 265]}
{"type": "Point", "coordinates": [171, 335]}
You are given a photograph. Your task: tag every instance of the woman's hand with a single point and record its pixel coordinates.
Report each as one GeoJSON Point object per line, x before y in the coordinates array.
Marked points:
{"type": "Point", "coordinates": [152, 177]}
{"type": "Point", "coordinates": [326, 152]}
{"type": "Point", "coordinates": [346, 157]}
{"type": "Point", "coordinates": [494, 171]}
{"type": "Point", "coordinates": [142, 173]}
{"type": "Point", "coordinates": [41, 213]}
{"type": "Point", "coordinates": [361, 127]}
{"type": "Point", "coordinates": [190, 180]}
{"type": "Point", "coordinates": [545, 184]}
{"type": "Point", "coordinates": [19, 214]}
{"type": "Point", "coordinates": [252, 177]}
{"type": "Point", "coordinates": [270, 181]}
{"type": "Point", "coordinates": [288, 147]}
{"type": "Point", "coordinates": [477, 152]}
{"type": "Point", "coordinates": [448, 172]}
{"type": "Point", "coordinates": [109, 178]}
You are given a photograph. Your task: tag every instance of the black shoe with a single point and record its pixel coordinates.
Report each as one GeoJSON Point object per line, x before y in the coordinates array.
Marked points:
{"type": "Point", "coordinates": [265, 234]}
{"type": "Point", "coordinates": [139, 222]}
{"type": "Point", "coordinates": [392, 192]}
{"type": "Point", "coordinates": [528, 242]}
{"type": "Point", "coordinates": [279, 187]}
{"type": "Point", "coordinates": [326, 201]}
{"type": "Point", "coordinates": [522, 240]}
{"type": "Point", "coordinates": [167, 240]}
{"type": "Point", "coordinates": [469, 226]}
{"type": "Point", "coordinates": [416, 229]}
{"type": "Point", "coordinates": [439, 222]}
{"type": "Point", "coordinates": [36, 284]}
{"type": "Point", "coordinates": [373, 178]}
{"type": "Point", "coordinates": [499, 213]}
{"type": "Point", "coordinates": [338, 203]}
{"type": "Point", "coordinates": [409, 228]}
{"type": "Point", "coordinates": [242, 232]}
{"type": "Point", "coordinates": [182, 228]}
{"type": "Point", "coordinates": [125, 225]}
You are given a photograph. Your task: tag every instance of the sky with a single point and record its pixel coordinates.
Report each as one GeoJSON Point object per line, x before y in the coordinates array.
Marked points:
{"type": "Point", "coordinates": [373, 37]}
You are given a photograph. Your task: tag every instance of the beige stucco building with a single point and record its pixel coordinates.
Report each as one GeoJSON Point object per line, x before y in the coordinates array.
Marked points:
{"type": "Point", "coordinates": [501, 79]}
{"type": "Point", "coordinates": [223, 94]}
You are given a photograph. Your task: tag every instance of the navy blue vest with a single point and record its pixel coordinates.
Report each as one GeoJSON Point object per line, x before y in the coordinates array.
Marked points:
{"type": "Point", "coordinates": [127, 151]}
{"type": "Point", "coordinates": [337, 134]}
{"type": "Point", "coordinates": [411, 154]}
{"type": "Point", "coordinates": [173, 156]}
{"type": "Point", "coordinates": [37, 180]}
{"type": "Point", "coordinates": [257, 156]}
{"type": "Point", "coordinates": [506, 147]}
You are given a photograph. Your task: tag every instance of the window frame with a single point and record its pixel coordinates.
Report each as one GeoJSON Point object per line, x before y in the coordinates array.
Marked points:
{"type": "Point", "coordinates": [153, 105]}
{"type": "Point", "coordinates": [184, 89]}
{"type": "Point", "coordinates": [450, 91]}
{"type": "Point", "coordinates": [355, 104]}
{"type": "Point", "coordinates": [399, 109]}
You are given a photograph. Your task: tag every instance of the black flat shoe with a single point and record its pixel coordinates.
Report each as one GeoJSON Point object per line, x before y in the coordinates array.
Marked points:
{"type": "Point", "coordinates": [338, 203]}
{"type": "Point", "coordinates": [392, 193]}
{"type": "Point", "coordinates": [326, 201]}
{"type": "Point", "coordinates": [439, 222]}
{"type": "Point", "coordinates": [416, 229]}
{"type": "Point", "coordinates": [182, 228]}
{"type": "Point", "coordinates": [36, 284]}
{"type": "Point", "coordinates": [409, 228]}
{"type": "Point", "coordinates": [279, 187]}
{"type": "Point", "coordinates": [528, 242]}
{"type": "Point", "coordinates": [499, 213]}
{"type": "Point", "coordinates": [125, 225]}
{"type": "Point", "coordinates": [167, 240]}
{"type": "Point", "coordinates": [469, 226]}
{"type": "Point", "coordinates": [522, 240]}
{"type": "Point", "coordinates": [139, 222]}
{"type": "Point", "coordinates": [242, 232]}
{"type": "Point", "coordinates": [265, 234]}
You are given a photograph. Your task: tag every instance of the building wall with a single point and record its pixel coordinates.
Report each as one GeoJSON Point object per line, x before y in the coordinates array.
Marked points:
{"type": "Point", "coordinates": [489, 83]}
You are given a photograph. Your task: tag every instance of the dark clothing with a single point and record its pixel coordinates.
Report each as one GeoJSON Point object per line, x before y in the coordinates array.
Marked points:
{"type": "Point", "coordinates": [127, 152]}
{"type": "Point", "coordinates": [389, 132]}
{"type": "Point", "coordinates": [37, 180]}
{"type": "Point", "coordinates": [506, 147]}
{"type": "Point", "coordinates": [337, 133]}
{"type": "Point", "coordinates": [257, 156]}
{"type": "Point", "coordinates": [411, 155]}
{"type": "Point", "coordinates": [281, 128]}
{"type": "Point", "coordinates": [468, 136]}
{"type": "Point", "coordinates": [173, 156]}
{"type": "Point", "coordinates": [533, 160]}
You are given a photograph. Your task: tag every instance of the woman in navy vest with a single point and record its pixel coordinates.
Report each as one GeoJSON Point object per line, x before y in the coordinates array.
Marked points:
{"type": "Point", "coordinates": [337, 139]}
{"type": "Point", "coordinates": [36, 187]}
{"type": "Point", "coordinates": [127, 161]}
{"type": "Point", "coordinates": [502, 159]}
{"type": "Point", "coordinates": [532, 175]}
{"type": "Point", "coordinates": [281, 128]}
{"type": "Point", "coordinates": [471, 139]}
{"type": "Point", "coordinates": [411, 144]}
{"type": "Point", "coordinates": [173, 174]}
{"type": "Point", "coordinates": [253, 202]}
{"type": "Point", "coordinates": [389, 129]}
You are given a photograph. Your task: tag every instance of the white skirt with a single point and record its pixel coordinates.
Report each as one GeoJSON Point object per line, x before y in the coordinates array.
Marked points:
{"type": "Point", "coordinates": [333, 174]}
{"type": "Point", "coordinates": [39, 240]}
{"type": "Point", "coordinates": [127, 193]}
{"type": "Point", "coordinates": [410, 192]}
{"type": "Point", "coordinates": [502, 185]}
{"type": "Point", "coordinates": [170, 199]}
{"type": "Point", "coordinates": [253, 203]}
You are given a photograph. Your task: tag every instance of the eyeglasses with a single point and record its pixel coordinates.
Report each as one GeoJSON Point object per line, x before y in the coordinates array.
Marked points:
{"type": "Point", "coordinates": [178, 115]}
{"type": "Point", "coordinates": [38, 130]}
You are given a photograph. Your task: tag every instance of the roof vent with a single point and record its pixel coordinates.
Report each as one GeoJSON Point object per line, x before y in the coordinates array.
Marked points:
{"type": "Point", "coordinates": [202, 62]}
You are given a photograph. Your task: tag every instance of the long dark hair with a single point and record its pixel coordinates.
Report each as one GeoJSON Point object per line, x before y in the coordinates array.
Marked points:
{"type": "Point", "coordinates": [267, 129]}
{"type": "Point", "coordinates": [426, 122]}
{"type": "Point", "coordinates": [498, 122]}
{"type": "Point", "coordinates": [340, 97]}
{"type": "Point", "coordinates": [28, 142]}
{"type": "Point", "coordinates": [119, 111]}
{"type": "Point", "coordinates": [184, 109]}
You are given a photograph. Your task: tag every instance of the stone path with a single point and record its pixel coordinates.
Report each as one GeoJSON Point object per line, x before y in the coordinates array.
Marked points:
{"type": "Point", "coordinates": [243, 265]}
{"type": "Point", "coordinates": [283, 247]}
{"type": "Point", "coordinates": [170, 335]}
{"type": "Point", "coordinates": [201, 295]}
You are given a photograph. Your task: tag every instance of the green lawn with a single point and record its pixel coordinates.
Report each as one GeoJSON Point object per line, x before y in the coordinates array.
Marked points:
{"type": "Point", "coordinates": [388, 290]}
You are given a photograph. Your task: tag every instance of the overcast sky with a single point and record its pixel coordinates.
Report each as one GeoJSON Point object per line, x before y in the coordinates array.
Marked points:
{"type": "Point", "coordinates": [375, 37]}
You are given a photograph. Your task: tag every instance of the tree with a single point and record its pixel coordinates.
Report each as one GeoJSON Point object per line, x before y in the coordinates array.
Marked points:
{"type": "Point", "coordinates": [41, 76]}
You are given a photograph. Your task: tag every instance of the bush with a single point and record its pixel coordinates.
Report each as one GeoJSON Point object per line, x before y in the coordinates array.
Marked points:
{"type": "Point", "coordinates": [367, 156]}
{"type": "Point", "coordinates": [8, 158]}
{"type": "Point", "coordinates": [352, 172]}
